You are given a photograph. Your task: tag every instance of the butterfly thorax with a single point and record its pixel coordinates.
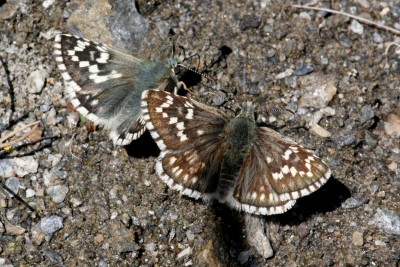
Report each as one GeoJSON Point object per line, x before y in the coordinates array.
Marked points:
{"type": "Point", "coordinates": [240, 133]}
{"type": "Point", "coordinates": [154, 74]}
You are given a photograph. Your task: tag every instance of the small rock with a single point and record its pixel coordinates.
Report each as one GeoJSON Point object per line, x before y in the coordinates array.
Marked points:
{"type": "Point", "coordinates": [14, 229]}
{"type": "Point", "coordinates": [356, 27]}
{"type": "Point", "coordinates": [99, 239]}
{"type": "Point", "coordinates": [76, 202]}
{"type": "Point", "coordinates": [150, 247]}
{"type": "Point", "coordinates": [303, 230]}
{"type": "Point", "coordinates": [51, 224]}
{"type": "Point", "coordinates": [330, 228]}
{"type": "Point", "coordinates": [36, 81]}
{"type": "Point", "coordinates": [284, 74]}
{"type": "Point", "coordinates": [387, 221]}
{"type": "Point", "coordinates": [186, 252]}
{"type": "Point", "coordinates": [358, 239]}
{"type": "Point", "coordinates": [189, 235]}
{"type": "Point", "coordinates": [7, 168]}
{"type": "Point", "coordinates": [243, 257]}
{"type": "Point", "coordinates": [250, 21]}
{"type": "Point", "coordinates": [13, 184]}
{"type": "Point", "coordinates": [30, 193]}
{"type": "Point", "coordinates": [26, 165]}
{"type": "Point", "coordinates": [9, 9]}
{"type": "Point", "coordinates": [47, 3]}
{"type": "Point", "coordinates": [346, 136]}
{"type": "Point", "coordinates": [57, 193]}
{"type": "Point", "coordinates": [393, 166]}
{"type": "Point", "coordinates": [256, 236]}
{"type": "Point", "coordinates": [218, 100]}
{"type": "Point", "coordinates": [366, 114]}
{"type": "Point", "coordinates": [377, 38]}
{"type": "Point", "coordinates": [38, 237]}
{"type": "Point", "coordinates": [363, 3]}
{"type": "Point", "coordinates": [51, 118]}
{"type": "Point", "coordinates": [255, 90]}
{"type": "Point", "coordinates": [352, 202]}
{"type": "Point", "coordinates": [3, 262]}
{"type": "Point", "coordinates": [53, 256]}
{"type": "Point", "coordinates": [392, 125]}
{"type": "Point", "coordinates": [303, 69]}
{"type": "Point", "coordinates": [317, 90]}
{"type": "Point", "coordinates": [379, 243]}
{"type": "Point", "coordinates": [319, 130]}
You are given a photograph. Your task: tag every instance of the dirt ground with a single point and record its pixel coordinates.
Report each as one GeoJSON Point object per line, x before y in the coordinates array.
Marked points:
{"type": "Point", "coordinates": [97, 204]}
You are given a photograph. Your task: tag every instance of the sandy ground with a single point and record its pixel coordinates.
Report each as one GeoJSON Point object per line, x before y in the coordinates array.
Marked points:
{"type": "Point", "coordinates": [99, 204]}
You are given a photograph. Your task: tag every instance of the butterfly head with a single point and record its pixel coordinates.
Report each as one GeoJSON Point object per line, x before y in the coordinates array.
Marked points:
{"type": "Point", "coordinates": [176, 60]}
{"type": "Point", "coordinates": [247, 111]}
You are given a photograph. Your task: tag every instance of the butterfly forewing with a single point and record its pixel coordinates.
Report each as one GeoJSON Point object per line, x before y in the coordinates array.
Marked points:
{"type": "Point", "coordinates": [276, 172]}
{"type": "Point", "coordinates": [105, 84]}
{"type": "Point", "coordinates": [189, 135]}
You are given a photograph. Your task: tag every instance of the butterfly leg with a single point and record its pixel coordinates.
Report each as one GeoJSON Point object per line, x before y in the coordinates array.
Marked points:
{"type": "Point", "coordinates": [181, 84]}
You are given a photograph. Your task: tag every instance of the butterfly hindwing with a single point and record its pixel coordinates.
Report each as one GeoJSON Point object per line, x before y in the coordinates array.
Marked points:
{"type": "Point", "coordinates": [105, 84]}
{"type": "Point", "coordinates": [276, 172]}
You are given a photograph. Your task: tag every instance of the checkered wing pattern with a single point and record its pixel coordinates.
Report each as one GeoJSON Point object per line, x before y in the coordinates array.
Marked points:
{"type": "Point", "coordinates": [189, 135]}
{"type": "Point", "coordinates": [206, 154]}
{"type": "Point", "coordinates": [275, 173]}
{"type": "Point", "coordinates": [105, 84]}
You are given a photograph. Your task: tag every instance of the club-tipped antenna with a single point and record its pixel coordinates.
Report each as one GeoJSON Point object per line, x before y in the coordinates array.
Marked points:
{"type": "Point", "coordinates": [197, 72]}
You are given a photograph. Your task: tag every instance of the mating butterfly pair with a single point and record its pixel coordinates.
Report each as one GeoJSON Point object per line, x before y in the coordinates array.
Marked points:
{"type": "Point", "coordinates": [204, 152]}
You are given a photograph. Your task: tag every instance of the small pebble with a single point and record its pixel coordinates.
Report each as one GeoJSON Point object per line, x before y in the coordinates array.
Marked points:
{"type": "Point", "coordinates": [53, 256]}
{"type": "Point", "coordinates": [387, 221]}
{"type": "Point", "coordinates": [243, 257]}
{"type": "Point", "coordinates": [57, 193]}
{"type": "Point", "coordinates": [353, 202]}
{"type": "Point", "coordinates": [250, 21]}
{"type": "Point", "coordinates": [356, 27]}
{"type": "Point", "coordinates": [186, 252]}
{"type": "Point", "coordinates": [392, 125]}
{"type": "Point", "coordinates": [317, 90]}
{"type": "Point", "coordinates": [26, 165]}
{"type": "Point", "coordinates": [13, 184]}
{"type": "Point", "coordinates": [358, 239]}
{"type": "Point", "coordinates": [319, 130]}
{"type": "Point", "coordinates": [255, 90]}
{"type": "Point", "coordinates": [284, 74]}
{"type": "Point", "coordinates": [47, 3]}
{"type": "Point", "coordinates": [303, 230]}
{"type": "Point", "coordinates": [366, 114]}
{"type": "Point", "coordinates": [51, 224]}
{"type": "Point", "coordinates": [303, 69]}
{"type": "Point", "coordinates": [37, 80]}
{"type": "Point", "coordinates": [30, 193]}
{"type": "Point", "coordinates": [14, 229]}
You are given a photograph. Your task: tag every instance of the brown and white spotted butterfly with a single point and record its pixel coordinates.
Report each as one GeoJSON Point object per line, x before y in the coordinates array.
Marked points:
{"type": "Point", "coordinates": [205, 153]}
{"type": "Point", "coordinates": [105, 84]}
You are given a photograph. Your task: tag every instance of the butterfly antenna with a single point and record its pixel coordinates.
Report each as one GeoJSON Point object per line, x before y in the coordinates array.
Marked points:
{"type": "Point", "coordinates": [195, 71]}
{"type": "Point", "coordinates": [278, 111]}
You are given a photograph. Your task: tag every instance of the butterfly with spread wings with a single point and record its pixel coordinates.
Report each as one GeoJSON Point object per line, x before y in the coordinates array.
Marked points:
{"type": "Point", "coordinates": [105, 84]}
{"type": "Point", "coordinates": [207, 154]}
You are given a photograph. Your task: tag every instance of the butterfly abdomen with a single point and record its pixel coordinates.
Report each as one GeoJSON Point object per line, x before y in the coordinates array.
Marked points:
{"type": "Point", "coordinates": [240, 133]}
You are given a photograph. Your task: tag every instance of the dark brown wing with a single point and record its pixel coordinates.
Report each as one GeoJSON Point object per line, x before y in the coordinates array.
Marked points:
{"type": "Point", "coordinates": [189, 135]}
{"type": "Point", "coordinates": [276, 172]}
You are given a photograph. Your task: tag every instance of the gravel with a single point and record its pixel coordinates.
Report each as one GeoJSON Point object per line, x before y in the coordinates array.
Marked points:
{"type": "Point", "coordinates": [90, 203]}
